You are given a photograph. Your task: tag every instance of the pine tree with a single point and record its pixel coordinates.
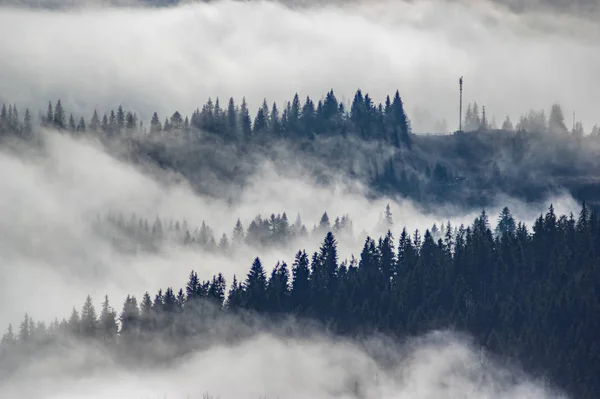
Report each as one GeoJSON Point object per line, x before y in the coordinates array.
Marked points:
{"type": "Point", "coordinates": [129, 317]}
{"type": "Point", "coordinates": [59, 116]}
{"type": "Point", "coordinates": [278, 289]}
{"type": "Point", "coordinates": [27, 124]}
{"type": "Point", "coordinates": [176, 121]}
{"type": "Point", "coordinates": [235, 298]}
{"type": "Point", "coordinates": [72, 126]}
{"type": "Point", "coordinates": [192, 287]}
{"type": "Point", "coordinates": [24, 332]}
{"type": "Point", "coordinates": [217, 289]}
{"type": "Point", "coordinates": [507, 125]}
{"type": "Point", "coordinates": [232, 124]}
{"type": "Point", "coordinates": [556, 122]}
{"type": "Point", "coordinates": [49, 119]}
{"type": "Point", "coordinates": [300, 292]}
{"type": "Point", "coordinates": [255, 287]}
{"type": "Point", "coordinates": [324, 225]}
{"type": "Point", "coordinates": [130, 121]}
{"type": "Point", "coordinates": [329, 257]}
{"type": "Point", "coordinates": [402, 121]}
{"type": "Point", "coordinates": [155, 125]}
{"type": "Point", "coordinates": [89, 322]}
{"type": "Point", "coordinates": [8, 339]}
{"type": "Point", "coordinates": [73, 323]}
{"type": "Point", "coordinates": [120, 119]}
{"type": "Point", "coordinates": [506, 224]}
{"type": "Point", "coordinates": [275, 122]}
{"type": "Point", "coordinates": [81, 125]}
{"type": "Point", "coordinates": [95, 122]}
{"type": "Point", "coordinates": [245, 123]}
{"type": "Point", "coordinates": [146, 314]}
{"type": "Point", "coordinates": [238, 236]}
{"type": "Point", "coordinates": [224, 244]}
{"type": "Point", "coordinates": [108, 326]}
{"type": "Point", "coordinates": [260, 122]}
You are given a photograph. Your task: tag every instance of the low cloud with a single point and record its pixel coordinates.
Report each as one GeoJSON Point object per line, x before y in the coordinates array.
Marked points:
{"type": "Point", "coordinates": [440, 364]}
{"type": "Point", "coordinates": [162, 59]}
{"type": "Point", "coordinates": [48, 200]}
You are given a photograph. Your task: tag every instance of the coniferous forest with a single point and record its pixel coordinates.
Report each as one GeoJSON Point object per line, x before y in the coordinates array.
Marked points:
{"type": "Point", "coordinates": [299, 199]}
{"type": "Point", "coordinates": [531, 159]}
{"type": "Point", "coordinates": [526, 293]}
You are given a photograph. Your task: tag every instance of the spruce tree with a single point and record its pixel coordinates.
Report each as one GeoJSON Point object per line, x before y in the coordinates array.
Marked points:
{"type": "Point", "coordinates": [59, 116]}
{"type": "Point", "coordinates": [155, 125]}
{"type": "Point", "coordinates": [300, 292]}
{"type": "Point", "coordinates": [255, 287]}
{"type": "Point", "coordinates": [238, 236]}
{"type": "Point", "coordinates": [245, 123]}
{"type": "Point", "coordinates": [49, 118]}
{"type": "Point", "coordinates": [89, 322]}
{"type": "Point", "coordinates": [95, 122]}
{"type": "Point", "coordinates": [108, 326]}
{"type": "Point", "coordinates": [81, 125]}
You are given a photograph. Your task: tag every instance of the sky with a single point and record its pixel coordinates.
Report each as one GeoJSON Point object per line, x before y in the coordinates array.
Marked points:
{"type": "Point", "coordinates": [163, 59]}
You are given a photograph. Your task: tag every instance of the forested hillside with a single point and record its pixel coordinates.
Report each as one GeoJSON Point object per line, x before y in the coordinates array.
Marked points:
{"type": "Point", "coordinates": [364, 141]}
{"type": "Point", "coordinates": [529, 294]}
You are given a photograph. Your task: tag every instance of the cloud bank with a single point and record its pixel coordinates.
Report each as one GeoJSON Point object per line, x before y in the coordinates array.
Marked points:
{"type": "Point", "coordinates": [47, 201]}
{"type": "Point", "coordinates": [440, 364]}
{"type": "Point", "coordinates": [162, 59]}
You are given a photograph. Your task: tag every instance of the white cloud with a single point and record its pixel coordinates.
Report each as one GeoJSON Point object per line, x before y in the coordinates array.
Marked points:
{"type": "Point", "coordinates": [167, 59]}
{"type": "Point", "coordinates": [437, 365]}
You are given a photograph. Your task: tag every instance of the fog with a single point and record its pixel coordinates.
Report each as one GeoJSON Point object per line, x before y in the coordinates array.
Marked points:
{"type": "Point", "coordinates": [175, 58]}
{"type": "Point", "coordinates": [47, 236]}
{"type": "Point", "coordinates": [163, 59]}
{"type": "Point", "coordinates": [440, 364]}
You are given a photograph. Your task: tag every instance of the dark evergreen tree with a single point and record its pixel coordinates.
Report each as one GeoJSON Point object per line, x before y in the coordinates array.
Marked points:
{"type": "Point", "coordinates": [81, 125]}
{"type": "Point", "coordinates": [255, 287]}
{"type": "Point", "coordinates": [89, 320]}
{"type": "Point", "coordinates": [300, 290]}
{"type": "Point", "coordinates": [245, 123]}
{"type": "Point", "coordinates": [59, 120]}
{"type": "Point", "coordinates": [95, 122]}
{"type": "Point", "coordinates": [107, 325]}
{"type": "Point", "coordinates": [155, 125]}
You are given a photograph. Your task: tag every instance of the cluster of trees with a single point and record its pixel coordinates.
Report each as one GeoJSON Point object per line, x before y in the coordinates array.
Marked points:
{"type": "Point", "coordinates": [386, 122]}
{"type": "Point", "coordinates": [368, 143]}
{"type": "Point", "coordinates": [535, 121]}
{"type": "Point", "coordinates": [297, 120]}
{"type": "Point", "coordinates": [135, 234]}
{"type": "Point", "coordinates": [11, 123]}
{"type": "Point", "coordinates": [530, 294]}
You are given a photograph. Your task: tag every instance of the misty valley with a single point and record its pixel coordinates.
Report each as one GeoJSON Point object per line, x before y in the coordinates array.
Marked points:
{"type": "Point", "coordinates": [299, 199]}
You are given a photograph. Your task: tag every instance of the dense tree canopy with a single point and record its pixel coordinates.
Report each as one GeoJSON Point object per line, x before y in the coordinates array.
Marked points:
{"type": "Point", "coordinates": [370, 142]}
{"type": "Point", "coordinates": [527, 294]}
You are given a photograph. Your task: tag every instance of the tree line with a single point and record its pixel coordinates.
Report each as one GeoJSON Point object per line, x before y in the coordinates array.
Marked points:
{"type": "Point", "coordinates": [535, 121]}
{"type": "Point", "coordinates": [136, 234]}
{"type": "Point", "coordinates": [526, 293]}
{"type": "Point", "coordinates": [297, 119]}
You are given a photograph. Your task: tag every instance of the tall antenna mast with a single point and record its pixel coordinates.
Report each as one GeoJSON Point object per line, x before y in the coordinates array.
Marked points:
{"type": "Point", "coordinates": [460, 82]}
